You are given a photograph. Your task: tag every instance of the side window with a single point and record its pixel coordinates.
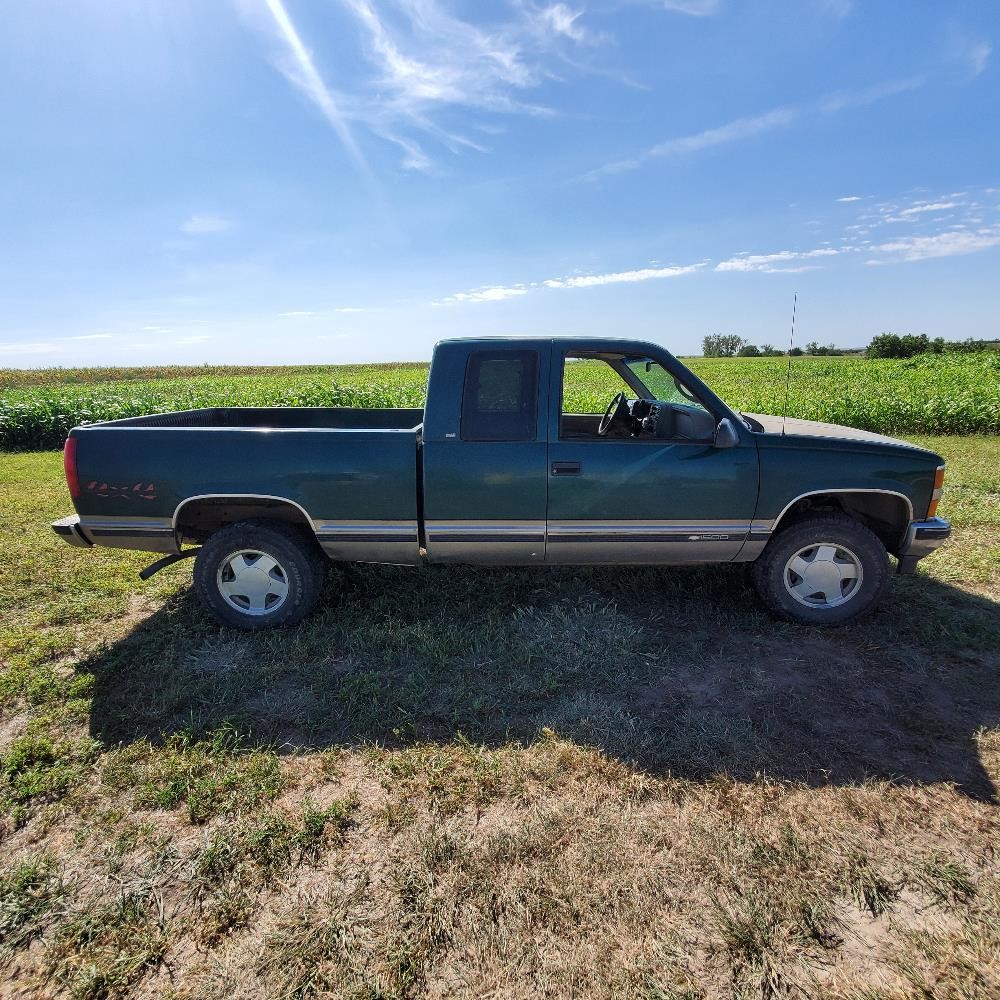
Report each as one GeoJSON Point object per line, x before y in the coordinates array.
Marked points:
{"type": "Point", "coordinates": [589, 384]}
{"type": "Point", "coordinates": [500, 398]}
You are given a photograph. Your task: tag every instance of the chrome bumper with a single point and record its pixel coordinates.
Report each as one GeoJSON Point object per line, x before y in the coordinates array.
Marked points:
{"type": "Point", "coordinates": [922, 538]}
{"type": "Point", "coordinates": [69, 530]}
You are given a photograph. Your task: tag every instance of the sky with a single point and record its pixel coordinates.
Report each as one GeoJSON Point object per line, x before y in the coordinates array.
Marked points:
{"type": "Point", "coordinates": [326, 181]}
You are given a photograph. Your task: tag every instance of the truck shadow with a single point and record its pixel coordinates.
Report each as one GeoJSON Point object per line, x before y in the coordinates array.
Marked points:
{"type": "Point", "coordinates": [673, 671]}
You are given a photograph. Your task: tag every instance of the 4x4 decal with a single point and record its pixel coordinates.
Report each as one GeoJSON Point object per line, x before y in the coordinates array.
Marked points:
{"type": "Point", "coordinates": [140, 491]}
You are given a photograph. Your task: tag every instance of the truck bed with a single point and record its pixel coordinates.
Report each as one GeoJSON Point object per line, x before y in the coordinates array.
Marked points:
{"type": "Point", "coordinates": [318, 417]}
{"type": "Point", "coordinates": [152, 482]}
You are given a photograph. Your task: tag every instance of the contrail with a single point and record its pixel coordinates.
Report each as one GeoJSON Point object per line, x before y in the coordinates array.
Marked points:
{"type": "Point", "coordinates": [312, 84]}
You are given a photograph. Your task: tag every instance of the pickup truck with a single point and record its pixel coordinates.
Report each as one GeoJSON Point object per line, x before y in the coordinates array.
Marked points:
{"type": "Point", "coordinates": [501, 468]}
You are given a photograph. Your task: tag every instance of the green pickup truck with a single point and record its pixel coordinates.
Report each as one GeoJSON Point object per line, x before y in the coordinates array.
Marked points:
{"type": "Point", "coordinates": [500, 468]}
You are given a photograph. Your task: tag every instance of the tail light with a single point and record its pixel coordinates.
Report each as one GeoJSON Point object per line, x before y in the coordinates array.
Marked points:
{"type": "Point", "coordinates": [69, 465]}
{"type": "Point", "coordinates": [936, 495]}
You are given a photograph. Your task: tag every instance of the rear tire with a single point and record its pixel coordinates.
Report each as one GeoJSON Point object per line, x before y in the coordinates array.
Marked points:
{"type": "Point", "coordinates": [824, 570]}
{"type": "Point", "coordinates": [259, 574]}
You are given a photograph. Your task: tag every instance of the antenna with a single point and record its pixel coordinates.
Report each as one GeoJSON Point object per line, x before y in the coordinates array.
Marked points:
{"type": "Point", "coordinates": [788, 374]}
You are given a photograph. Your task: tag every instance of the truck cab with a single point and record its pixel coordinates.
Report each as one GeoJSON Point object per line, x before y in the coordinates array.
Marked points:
{"type": "Point", "coordinates": [580, 452]}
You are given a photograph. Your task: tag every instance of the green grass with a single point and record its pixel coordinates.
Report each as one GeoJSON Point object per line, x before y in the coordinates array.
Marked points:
{"type": "Point", "coordinates": [948, 394]}
{"type": "Point", "coordinates": [579, 782]}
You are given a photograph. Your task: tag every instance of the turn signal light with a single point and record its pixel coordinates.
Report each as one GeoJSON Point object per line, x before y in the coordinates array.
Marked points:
{"type": "Point", "coordinates": [936, 495]}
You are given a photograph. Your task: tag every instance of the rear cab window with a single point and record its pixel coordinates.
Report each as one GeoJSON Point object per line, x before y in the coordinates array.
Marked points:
{"type": "Point", "coordinates": [500, 399]}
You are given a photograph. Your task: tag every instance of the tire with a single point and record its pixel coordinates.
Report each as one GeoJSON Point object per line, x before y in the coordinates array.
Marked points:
{"type": "Point", "coordinates": [259, 574]}
{"type": "Point", "coordinates": [844, 571]}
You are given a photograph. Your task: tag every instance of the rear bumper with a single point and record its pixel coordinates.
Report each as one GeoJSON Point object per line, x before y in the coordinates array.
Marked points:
{"type": "Point", "coordinates": [922, 538]}
{"type": "Point", "coordinates": [69, 530]}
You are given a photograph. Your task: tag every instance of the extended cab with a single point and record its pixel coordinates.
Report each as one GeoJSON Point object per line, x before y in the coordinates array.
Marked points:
{"type": "Point", "coordinates": [505, 465]}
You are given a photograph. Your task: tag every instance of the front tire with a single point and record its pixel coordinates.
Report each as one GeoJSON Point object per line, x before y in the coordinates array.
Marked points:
{"type": "Point", "coordinates": [259, 574]}
{"type": "Point", "coordinates": [824, 570]}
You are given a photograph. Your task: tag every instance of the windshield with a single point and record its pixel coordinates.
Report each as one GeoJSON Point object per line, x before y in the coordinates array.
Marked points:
{"type": "Point", "coordinates": [660, 383]}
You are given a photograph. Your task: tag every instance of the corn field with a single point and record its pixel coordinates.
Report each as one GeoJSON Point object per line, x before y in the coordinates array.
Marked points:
{"type": "Point", "coordinates": [928, 394]}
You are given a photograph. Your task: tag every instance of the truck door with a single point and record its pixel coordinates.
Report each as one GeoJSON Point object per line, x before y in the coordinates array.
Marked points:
{"type": "Point", "coordinates": [484, 453]}
{"type": "Point", "coordinates": [663, 496]}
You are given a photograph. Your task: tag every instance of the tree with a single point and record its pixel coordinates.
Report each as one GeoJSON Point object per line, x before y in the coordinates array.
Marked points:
{"type": "Point", "coordinates": [892, 345]}
{"type": "Point", "coordinates": [722, 345]}
{"type": "Point", "coordinates": [748, 351]}
{"type": "Point", "coordinates": [795, 352]}
{"type": "Point", "coordinates": [770, 351]}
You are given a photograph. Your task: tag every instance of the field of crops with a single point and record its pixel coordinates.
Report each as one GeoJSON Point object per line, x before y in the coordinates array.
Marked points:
{"type": "Point", "coordinates": [932, 394]}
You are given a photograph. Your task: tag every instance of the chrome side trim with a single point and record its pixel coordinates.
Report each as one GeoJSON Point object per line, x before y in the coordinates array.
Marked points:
{"type": "Point", "coordinates": [147, 534]}
{"type": "Point", "coordinates": [518, 542]}
{"type": "Point", "coordinates": [816, 493]}
{"type": "Point", "coordinates": [369, 541]}
{"type": "Point", "coordinates": [652, 542]}
{"type": "Point", "coordinates": [239, 496]}
{"type": "Point", "coordinates": [646, 531]}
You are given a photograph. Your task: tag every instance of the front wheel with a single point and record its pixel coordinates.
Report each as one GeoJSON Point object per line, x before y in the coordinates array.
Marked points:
{"type": "Point", "coordinates": [259, 574]}
{"type": "Point", "coordinates": [825, 570]}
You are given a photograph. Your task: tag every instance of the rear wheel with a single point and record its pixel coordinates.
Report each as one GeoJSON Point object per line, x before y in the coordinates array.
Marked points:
{"type": "Point", "coordinates": [826, 570]}
{"type": "Point", "coordinates": [259, 574]}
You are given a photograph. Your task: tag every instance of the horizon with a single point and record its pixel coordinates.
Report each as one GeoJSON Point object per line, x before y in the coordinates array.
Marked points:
{"type": "Point", "coordinates": [296, 182]}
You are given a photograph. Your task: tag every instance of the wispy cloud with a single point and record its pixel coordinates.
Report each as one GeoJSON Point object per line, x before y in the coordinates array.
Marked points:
{"type": "Point", "coordinates": [952, 243]}
{"type": "Point", "coordinates": [91, 336]}
{"type": "Point", "coordinates": [694, 8]}
{"type": "Point", "coordinates": [782, 262]}
{"type": "Point", "coordinates": [849, 198]}
{"type": "Point", "coordinates": [299, 69]}
{"type": "Point", "coordinates": [198, 225]}
{"type": "Point", "coordinates": [424, 61]}
{"type": "Point", "coordinates": [28, 347]}
{"type": "Point", "coordinates": [968, 54]}
{"type": "Point", "coordinates": [349, 309]}
{"type": "Point", "coordinates": [754, 125]}
{"type": "Point", "coordinates": [616, 277]}
{"type": "Point", "coordinates": [489, 293]}
{"type": "Point", "coordinates": [296, 314]}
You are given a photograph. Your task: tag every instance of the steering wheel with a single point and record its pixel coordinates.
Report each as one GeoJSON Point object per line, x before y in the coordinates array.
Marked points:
{"type": "Point", "coordinates": [616, 415]}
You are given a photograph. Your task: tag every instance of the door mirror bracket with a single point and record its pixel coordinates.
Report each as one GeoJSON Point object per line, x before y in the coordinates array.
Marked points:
{"type": "Point", "coordinates": [726, 435]}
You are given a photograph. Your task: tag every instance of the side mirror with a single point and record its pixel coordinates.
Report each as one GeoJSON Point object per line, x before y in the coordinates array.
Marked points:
{"type": "Point", "coordinates": [726, 435]}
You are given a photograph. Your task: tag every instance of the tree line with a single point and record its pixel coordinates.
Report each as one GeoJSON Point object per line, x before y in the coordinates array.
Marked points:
{"type": "Point", "coordinates": [885, 345]}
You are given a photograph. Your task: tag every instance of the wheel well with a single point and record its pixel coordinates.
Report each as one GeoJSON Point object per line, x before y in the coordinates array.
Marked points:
{"type": "Point", "coordinates": [885, 514]}
{"type": "Point", "coordinates": [196, 519]}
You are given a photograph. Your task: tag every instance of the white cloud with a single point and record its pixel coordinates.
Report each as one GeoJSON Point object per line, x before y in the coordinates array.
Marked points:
{"type": "Point", "coordinates": [490, 293]}
{"type": "Point", "coordinates": [349, 309]}
{"type": "Point", "coordinates": [296, 314]}
{"type": "Point", "coordinates": [970, 55]}
{"type": "Point", "coordinates": [753, 125]}
{"type": "Point", "coordinates": [560, 19]}
{"type": "Point", "coordinates": [850, 197]}
{"type": "Point", "coordinates": [694, 8]}
{"type": "Point", "coordinates": [642, 274]}
{"type": "Point", "coordinates": [919, 209]}
{"type": "Point", "coordinates": [90, 336]}
{"type": "Point", "coordinates": [28, 347]}
{"type": "Point", "coordinates": [199, 225]}
{"type": "Point", "coordinates": [952, 243]}
{"type": "Point", "coordinates": [300, 70]}
{"type": "Point", "coordinates": [425, 60]}
{"type": "Point", "coordinates": [782, 262]}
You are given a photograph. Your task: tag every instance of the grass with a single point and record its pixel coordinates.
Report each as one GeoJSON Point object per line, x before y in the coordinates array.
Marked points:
{"type": "Point", "coordinates": [598, 782]}
{"type": "Point", "coordinates": [950, 393]}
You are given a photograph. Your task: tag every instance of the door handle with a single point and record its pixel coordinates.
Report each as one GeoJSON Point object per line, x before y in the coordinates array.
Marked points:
{"type": "Point", "coordinates": [566, 468]}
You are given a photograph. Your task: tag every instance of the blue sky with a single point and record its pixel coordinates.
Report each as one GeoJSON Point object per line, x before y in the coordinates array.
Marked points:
{"type": "Point", "coordinates": [288, 181]}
